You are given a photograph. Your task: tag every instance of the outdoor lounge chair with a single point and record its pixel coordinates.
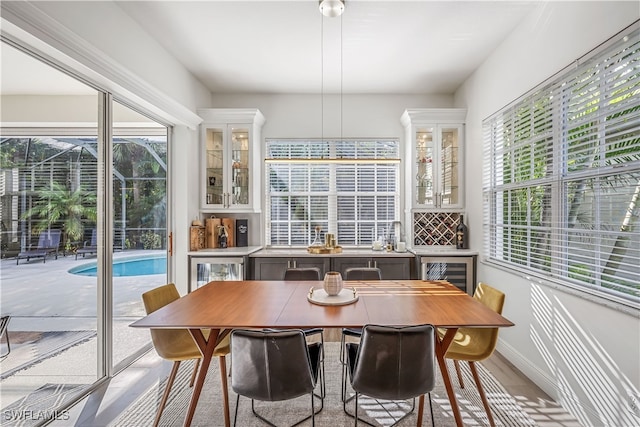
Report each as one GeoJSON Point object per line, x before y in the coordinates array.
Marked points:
{"type": "Point", "coordinates": [90, 247]}
{"type": "Point", "coordinates": [48, 243]}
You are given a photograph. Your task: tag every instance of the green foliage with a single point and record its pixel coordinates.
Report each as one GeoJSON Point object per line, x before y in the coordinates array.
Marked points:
{"type": "Point", "coordinates": [151, 240]}
{"type": "Point", "coordinates": [58, 205]}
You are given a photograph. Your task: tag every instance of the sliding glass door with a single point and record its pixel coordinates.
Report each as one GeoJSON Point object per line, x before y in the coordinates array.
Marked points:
{"type": "Point", "coordinates": [83, 191]}
{"type": "Point", "coordinates": [139, 224]}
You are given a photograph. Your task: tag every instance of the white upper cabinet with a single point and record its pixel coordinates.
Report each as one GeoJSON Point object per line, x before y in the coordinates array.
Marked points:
{"type": "Point", "coordinates": [434, 146]}
{"type": "Point", "coordinates": [230, 159]}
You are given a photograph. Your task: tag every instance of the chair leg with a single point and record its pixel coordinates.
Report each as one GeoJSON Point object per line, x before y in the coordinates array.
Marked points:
{"type": "Point", "coordinates": [420, 410]}
{"type": "Point", "coordinates": [5, 333]}
{"type": "Point", "coordinates": [456, 363]}
{"type": "Point", "coordinates": [195, 372]}
{"type": "Point", "coordinates": [355, 412]}
{"type": "Point", "coordinates": [165, 395]}
{"type": "Point", "coordinates": [433, 421]}
{"type": "Point", "coordinates": [313, 412]}
{"type": "Point", "coordinates": [235, 417]}
{"type": "Point", "coordinates": [485, 402]}
{"type": "Point", "coordinates": [345, 367]}
{"type": "Point", "coordinates": [225, 389]}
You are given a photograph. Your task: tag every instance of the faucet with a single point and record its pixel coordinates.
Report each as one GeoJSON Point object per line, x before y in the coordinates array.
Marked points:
{"type": "Point", "coordinates": [396, 226]}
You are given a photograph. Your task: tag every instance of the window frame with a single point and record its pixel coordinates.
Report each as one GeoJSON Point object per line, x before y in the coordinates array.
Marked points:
{"type": "Point", "coordinates": [380, 155]}
{"type": "Point", "coordinates": [561, 117]}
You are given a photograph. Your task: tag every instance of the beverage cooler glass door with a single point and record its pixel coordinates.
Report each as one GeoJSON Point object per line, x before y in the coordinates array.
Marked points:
{"type": "Point", "coordinates": [456, 270]}
{"type": "Point", "coordinates": [205, 270]}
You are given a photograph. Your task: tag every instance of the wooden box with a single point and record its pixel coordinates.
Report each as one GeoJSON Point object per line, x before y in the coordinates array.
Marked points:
{"type": "Point", "coordinates": [197, 239]}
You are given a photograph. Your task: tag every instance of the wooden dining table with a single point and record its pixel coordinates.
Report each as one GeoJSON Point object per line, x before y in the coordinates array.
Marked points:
{"type": "Point", "coordinates": [222, 306]}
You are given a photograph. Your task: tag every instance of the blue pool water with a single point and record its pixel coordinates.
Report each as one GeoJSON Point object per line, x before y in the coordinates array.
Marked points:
{"type": "Point", "coordinates": [140, 266]}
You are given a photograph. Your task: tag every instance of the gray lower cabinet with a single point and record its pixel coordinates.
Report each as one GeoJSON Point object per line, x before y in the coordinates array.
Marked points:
{"type": "Point", "coordinates": [392, 268]}
{"type": "Point", "coordinates": [263, 268]}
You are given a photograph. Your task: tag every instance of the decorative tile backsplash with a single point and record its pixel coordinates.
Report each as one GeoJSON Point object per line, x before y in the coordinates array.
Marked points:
{"type": "Point", "coordinates": [435, 228]}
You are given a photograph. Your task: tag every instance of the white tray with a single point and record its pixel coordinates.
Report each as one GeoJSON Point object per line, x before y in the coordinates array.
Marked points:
{"type": "Point", "coordinates": [319, 296]}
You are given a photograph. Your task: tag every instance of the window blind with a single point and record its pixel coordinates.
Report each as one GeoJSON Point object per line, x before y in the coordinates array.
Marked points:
{"type": "Point", "coordinates": [346, 187]}
{"type": "Point", "coordinates": [561, 180]}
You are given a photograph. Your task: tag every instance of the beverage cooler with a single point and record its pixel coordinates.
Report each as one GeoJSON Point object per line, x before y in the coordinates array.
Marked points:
{"type": "Point", "coordinates": [457, 270]}
{"type": "Point", "coordinates": [203, 270]}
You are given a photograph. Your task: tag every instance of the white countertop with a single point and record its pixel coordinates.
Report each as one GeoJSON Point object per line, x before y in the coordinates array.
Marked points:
{"type": "Point", "coordinates": [234, 251]}
{"type": "Point", "coordinates": [259, 251]}
{"type": "Point", "coordinates": [346, 252]}
{"type": "Point", "coordinates": [442, 251]}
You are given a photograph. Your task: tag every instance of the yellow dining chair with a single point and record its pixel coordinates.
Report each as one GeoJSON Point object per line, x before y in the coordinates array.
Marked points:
{"type": "Point", "coordinates": [178, 345]}
{"type": "Point", "coordinates": [477, 344]}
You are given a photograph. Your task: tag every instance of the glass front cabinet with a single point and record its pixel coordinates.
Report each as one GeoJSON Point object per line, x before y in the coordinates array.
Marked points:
{"type": "Point", "coordinates": [435, 146]}
{"type": "Point", "coordinates": [230, 141]}
{"type": "Point", "coordinates": [203, 270]}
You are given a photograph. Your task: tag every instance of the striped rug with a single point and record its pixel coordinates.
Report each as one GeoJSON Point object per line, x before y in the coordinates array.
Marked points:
{"type": "Point", "coordinates": [506, 409]}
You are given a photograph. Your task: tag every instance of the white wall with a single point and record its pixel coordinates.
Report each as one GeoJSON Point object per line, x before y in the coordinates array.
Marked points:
{"type": "Point", "coordinates": [582, 352]}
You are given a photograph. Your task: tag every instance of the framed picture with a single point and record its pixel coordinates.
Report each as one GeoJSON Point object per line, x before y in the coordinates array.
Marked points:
{"type": "Point", "coordinates": [212, 181]}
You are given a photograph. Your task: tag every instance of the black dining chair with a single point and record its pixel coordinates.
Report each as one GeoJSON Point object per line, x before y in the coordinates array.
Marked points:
{"type": "Point", "coordinates": [354, 273]}
{"type": "Point", "coordinates": [313, 274]}
{"type": "Point", "coordinates": [393, 363]}
{"type": "Point", "coordinates": [274, 365]}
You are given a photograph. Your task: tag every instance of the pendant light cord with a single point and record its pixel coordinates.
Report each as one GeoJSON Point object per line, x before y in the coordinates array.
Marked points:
{"type": "Point", "coordinates": [341, 76]}
{"type": "Point", "coordinates": [322, 77]}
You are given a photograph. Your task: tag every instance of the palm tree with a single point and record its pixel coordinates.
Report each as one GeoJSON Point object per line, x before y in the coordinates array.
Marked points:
{"type": "Point", "coordinates": [59, 204]}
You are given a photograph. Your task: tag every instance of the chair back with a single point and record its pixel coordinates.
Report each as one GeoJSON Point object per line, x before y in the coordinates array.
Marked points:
{"type": "Point", "coordinates": [49, 239]}
{"type": "Point", "coordinates": [271, 365]}
{"type": "Point", "coordinates": [306, 273]}
{"type": "Point", "coordinates": [170, 344]}
{"type": "Point", "coordinates": [362, 273]}
{"type": "Point", "coordinates": [395, 362]}
{"type": "Point", "coordinates": [477, 344]}
{"type": "Point", "coordinates": [94, 237]}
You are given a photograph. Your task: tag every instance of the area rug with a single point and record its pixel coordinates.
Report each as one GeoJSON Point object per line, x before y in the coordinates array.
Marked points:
{"type": "Point", "coordinates": [30, 348]}
{"type": "Point", "coordinates": [40, 406]}
{"type": "Point", "coordinates": [505, 408]}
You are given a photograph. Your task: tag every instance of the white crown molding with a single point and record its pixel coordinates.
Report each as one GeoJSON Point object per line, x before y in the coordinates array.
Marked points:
{"type": "Point", "coordinates": [433, 115]}
{"type": "Point", "coordinates": [27, 26]}
{"type": "Point", "coordinates": [232, 115]}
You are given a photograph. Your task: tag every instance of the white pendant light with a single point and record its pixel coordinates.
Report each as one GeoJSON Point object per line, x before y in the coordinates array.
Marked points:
{"type": "Point", "coordinates": [331, 8]}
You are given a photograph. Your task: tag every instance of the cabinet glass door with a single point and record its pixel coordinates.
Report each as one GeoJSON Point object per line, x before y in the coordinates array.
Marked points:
{"type": "Point", "coordinates": [205, 270]}
{"type": "Point", "coordinates": [458, 271]}
{"type": "Point", "coordinates": [215, 171]}
{"type": "Point", "coordinates": [438, 166]}
{"type": "Point", "coordinates": [424, 166]}
{"type": "Point", "coordinates": [449, 175]}
{"type": "Point", "coordinates": [240, 166]}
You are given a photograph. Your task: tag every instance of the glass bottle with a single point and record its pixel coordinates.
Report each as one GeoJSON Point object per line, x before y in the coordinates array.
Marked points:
{"type": "Point", "coordinates": [316, 239]}
{"type": "Point", "coordinates": [462, 235]}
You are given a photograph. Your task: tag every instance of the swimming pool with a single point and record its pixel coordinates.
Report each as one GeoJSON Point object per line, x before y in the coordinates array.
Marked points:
{"type": "Point", "coordinates": [135, 266]}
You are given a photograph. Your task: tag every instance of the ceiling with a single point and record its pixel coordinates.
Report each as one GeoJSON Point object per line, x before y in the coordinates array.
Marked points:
{"type": "Point", "coordinates": [376, 47]}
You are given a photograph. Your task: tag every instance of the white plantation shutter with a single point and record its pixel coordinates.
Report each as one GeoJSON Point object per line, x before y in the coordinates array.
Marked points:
{"type": "Point", "coordinates": [561, 179]}
{"type": "Point", "coordinates": [354, 194]}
